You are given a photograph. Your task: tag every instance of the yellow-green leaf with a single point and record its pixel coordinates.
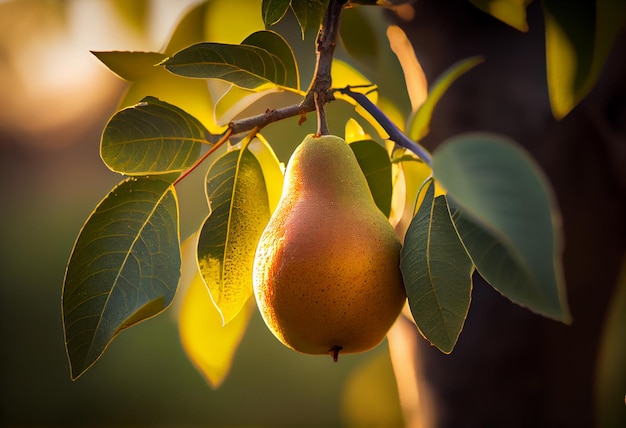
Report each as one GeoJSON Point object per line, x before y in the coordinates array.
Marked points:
{"type": "Point", "coordinates": [579, 37]}
{"type": "Point", "coordinates": [210, 345]}
{"type": "Point", "coordinates": [273, 171]}
{"type": "Point", "coordinates": [414, 77]}
{"type": "Point", "coordinates": [419, 123]}
{"type": "Point", "coordinates": [409, 174]}
{"type": "Point", "coordinates": [511, 12]}
{"type": "Point", "coordinates": [237, 193]}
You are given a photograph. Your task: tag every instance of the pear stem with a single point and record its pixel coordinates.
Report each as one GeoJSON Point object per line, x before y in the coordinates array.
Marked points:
{"type": "Point", "coordinates": [322, 123]}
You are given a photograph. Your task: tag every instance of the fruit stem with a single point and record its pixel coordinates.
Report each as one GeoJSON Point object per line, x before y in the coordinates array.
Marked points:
{"type": "Point", "coordinates": [322, 123]}
{"type": "Point", "coordinates": [334, 352]}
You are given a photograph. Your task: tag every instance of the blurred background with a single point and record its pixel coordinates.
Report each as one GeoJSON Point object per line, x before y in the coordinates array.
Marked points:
{"type": "Point", "coordinates": [56, 100]}
{"type": "Point", "coordinates": [510, 367]}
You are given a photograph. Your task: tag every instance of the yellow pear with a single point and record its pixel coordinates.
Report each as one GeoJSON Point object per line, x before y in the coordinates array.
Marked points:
{"type": "Point", "coordinates": [327, 267]}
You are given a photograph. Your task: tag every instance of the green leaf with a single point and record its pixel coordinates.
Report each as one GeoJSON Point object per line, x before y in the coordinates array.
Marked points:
{"type": "Point", "coordinates": [309, 13]}
{"type": "Point", "coordinates": [278, 46]}
{"type": "Point", "coordinates": [152, 137]}
{"type": "Point", "coordinates": [124, 267]}
{"type": "Point", "coordinates": [240, 210]}
{"type": "Point", "coordinates": [418, 125]}
{"type": "Point", "coordinates": [247, 65]}
{"type": "Point", "coordinates": [358, 36]}
{"type": "Point", "coordinates": [512, 229]}
{"type": "Point", "coordinates": [376, 166]}
{"type": "Point", "coordinates": [511, 12]}
{"type": "Point", "coordinates": [579, 38]}
{"type": "Point", "coordinates": [273, 11]}
{"type": "Point", "coordinates": [437, 272]}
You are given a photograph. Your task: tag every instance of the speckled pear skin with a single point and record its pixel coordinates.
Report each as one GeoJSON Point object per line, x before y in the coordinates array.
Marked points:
{"type": "Point", "coordinates": [327, 267]}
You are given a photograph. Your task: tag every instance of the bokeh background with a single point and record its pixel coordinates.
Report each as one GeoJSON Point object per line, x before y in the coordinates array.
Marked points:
{"type": "Point", "coordinates": [56, 98]}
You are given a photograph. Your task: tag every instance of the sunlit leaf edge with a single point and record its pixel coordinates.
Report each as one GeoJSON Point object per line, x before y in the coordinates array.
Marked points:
{"type": "Point", "coordinates": [141, 113]}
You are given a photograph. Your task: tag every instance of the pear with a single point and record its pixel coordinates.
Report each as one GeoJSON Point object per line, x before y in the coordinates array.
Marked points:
{"type": "Point", "coordinates": [327, 267]}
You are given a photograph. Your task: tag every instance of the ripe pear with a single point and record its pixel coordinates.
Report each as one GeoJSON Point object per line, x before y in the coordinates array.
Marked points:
{"type": "Point", "coordinates": [327, 267]}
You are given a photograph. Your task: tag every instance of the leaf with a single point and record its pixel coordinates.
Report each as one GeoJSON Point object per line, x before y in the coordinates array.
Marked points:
{"type": "Point", "coordinates": [358, 36]}
{"type": "Point", "coordinates": [309, 13]}
{"type": "Point", "coordinates": [270, 165]}
{"type": "Point", "coordinates": [355, 132]}
{"type": "Point", "coordinates": [246, 65]}
{"type": "Point", "coordinates": [419, 122]}
{"type": "Point", "coordinates": [209, 346]}
{"type": "Point", "coordinates": [130, 66]}
{"type": "Point", "coordinates": [415, 79]}
{"type": "Point", "coordinates": [376, 166]}
{"type": "Point", "coordinates": [152, 137]}
{"type": "Point", "coordinates": [278, 46]}
{"type": "Point", "coordinates": [273, 11]}
{"type": "Point", "coordinates": [124, 267]}
{"type": "Point", "coordinates": [511, 12]}
{"type": "Point", "coordinates": [510, 207]}
{"type": "Point", "coordinates": [140, 68]}
{"type": "Point", "coordinates": [579, 38]}
{"type": "Point", "coordinates": [229, 21]}
{"type": "Point", "coordinates": [237, 193]}
{"type": "Point", "coordinates": [437, 272]}
{"type": "Point", "coordinates": [235, 100]}
{"type": "Point", "coordinates": [343, 75]}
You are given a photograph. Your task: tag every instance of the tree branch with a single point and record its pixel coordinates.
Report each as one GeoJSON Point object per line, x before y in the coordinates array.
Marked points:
{"type": "Point", "coordinates": [319, 92]}
{"type": "Point", "coordinates": [397, 136]}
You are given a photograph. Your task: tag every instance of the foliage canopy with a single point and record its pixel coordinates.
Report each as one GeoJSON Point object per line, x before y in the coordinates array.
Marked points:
{"type": "Point", "coordinates": [478, 203]}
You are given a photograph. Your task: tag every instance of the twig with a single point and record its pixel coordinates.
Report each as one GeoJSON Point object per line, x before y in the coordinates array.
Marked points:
{"type": "Point", "coordinates": [395, 134]}
{"type": "Point", "coordinates": [270, 116]}
{"type": "Point", "coordinates": [219, 143]}
{"type": "Point", "coordinates": [319, 92]}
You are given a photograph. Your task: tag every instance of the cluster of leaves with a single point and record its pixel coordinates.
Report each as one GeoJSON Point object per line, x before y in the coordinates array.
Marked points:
{"type": "Point", "coordinates": [479, 203]}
